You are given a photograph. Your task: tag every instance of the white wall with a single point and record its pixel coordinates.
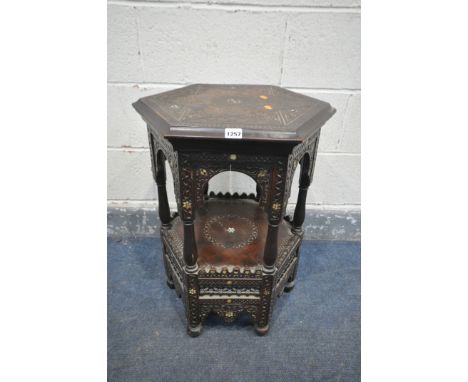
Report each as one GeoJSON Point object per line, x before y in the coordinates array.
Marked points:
{"type": "Point", "coordinates": [312, 47]}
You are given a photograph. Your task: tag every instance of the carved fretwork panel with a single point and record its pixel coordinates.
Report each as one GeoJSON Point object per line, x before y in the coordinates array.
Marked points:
{"type": "Point", "coordinates": [193, 311]}
{"type": "Point", "coordinates": [278, 183]}
{"type": "Point", "coordinates": [266, 300]}
{"type": "Point", "coordinates": [196, 169]}
{"type": "Point", "coordinates": [229, 309]}
{"type": "Point", "coordinates": [186, 182]}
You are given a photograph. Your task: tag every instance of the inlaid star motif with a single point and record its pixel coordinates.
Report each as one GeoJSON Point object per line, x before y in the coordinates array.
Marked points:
{"type": "Point", "coordinates": [192, 291]}
{"type": "Point", "coordinates": [276, 206]}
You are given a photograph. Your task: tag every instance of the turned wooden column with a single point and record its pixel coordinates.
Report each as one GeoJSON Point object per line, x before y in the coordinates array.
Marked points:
{"type": "Point", "coordinates": [190, 248]}
{"type": "Point", "coordinates": [307, 172]}
{"type": "Point", "coordinates": [271, 245]}
{"type": "Point", "coordinates": [304, 183]}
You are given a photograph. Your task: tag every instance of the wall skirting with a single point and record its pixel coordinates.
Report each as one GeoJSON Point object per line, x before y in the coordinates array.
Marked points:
{"type": "Point", "coordinates": [320, 223]}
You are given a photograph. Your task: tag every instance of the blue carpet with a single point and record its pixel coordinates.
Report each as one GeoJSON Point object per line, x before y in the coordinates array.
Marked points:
{"type": "Point", "coordinates": [314, 332]}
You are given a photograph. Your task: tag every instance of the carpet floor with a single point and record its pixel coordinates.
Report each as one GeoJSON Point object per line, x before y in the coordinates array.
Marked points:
{"type": "Point", "coordinates": [314, 331]}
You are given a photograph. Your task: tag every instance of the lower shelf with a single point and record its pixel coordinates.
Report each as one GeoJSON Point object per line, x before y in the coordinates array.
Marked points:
{"type": "Point", "coordinates": [231, 233]}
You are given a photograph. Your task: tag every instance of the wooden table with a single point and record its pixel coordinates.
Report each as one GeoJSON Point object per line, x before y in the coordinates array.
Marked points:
{"type": "Point", "coordinates": [230, 253]}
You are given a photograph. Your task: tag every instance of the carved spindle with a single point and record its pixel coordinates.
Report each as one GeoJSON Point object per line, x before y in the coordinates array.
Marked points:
{"type": "Point", "coordinates": [304, 183]}
{"type": "Point", "coordinates": [299, 212]}
{"type": "Point", "coordinates": [271, 245]}
{"type": "Point", "coordinates": [190, 248]}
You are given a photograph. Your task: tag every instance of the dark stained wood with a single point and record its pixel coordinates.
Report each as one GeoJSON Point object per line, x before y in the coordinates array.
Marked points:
{"type": "Point", "coordinates": [232, 254]}
{"type": "Point", "coordinates": [163, 205]}
{"type": "Point", "coordinates": [263, 112]}
{"type": "Point", "coordinates": [190, 248]}
{"type": "Point", "coordinates": [299, 211]}
{"type": "Point", "coordinates": [304, 183]}
{"type": "Point", "coordinates": [271, 246]}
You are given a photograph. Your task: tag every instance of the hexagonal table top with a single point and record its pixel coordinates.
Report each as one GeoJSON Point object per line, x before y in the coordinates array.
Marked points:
{"type": "Point", "coordinates": [260, 111]}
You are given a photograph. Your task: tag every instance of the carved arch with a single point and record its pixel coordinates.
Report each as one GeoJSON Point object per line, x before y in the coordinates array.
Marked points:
{"type": "Point", "coordinates": [202, 175]}
{"type": "Point", "coordinates": [251, 180]}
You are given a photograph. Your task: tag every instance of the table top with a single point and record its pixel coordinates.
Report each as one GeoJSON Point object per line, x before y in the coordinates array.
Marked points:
{"type": "Point", "coordinates": [262, 112]}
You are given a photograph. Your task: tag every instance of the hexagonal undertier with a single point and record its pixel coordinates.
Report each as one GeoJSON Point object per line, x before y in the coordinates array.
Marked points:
{"type": "Point", "coordinates": [230, 237]}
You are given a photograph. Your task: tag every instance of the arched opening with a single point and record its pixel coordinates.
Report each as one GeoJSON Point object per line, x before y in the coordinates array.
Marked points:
{"type": "Point", "coordinates": [230, 226]}
{"type": "Point", "coordinates": [164, 175]}
{"type": "Point", "coordinates": [232, 182]}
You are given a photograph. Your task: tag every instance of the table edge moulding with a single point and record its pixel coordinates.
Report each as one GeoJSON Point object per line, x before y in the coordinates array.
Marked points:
{"type": "Point", "coordinates": [231, 253]}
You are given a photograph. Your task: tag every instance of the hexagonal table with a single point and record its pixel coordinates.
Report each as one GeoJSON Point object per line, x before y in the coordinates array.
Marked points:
{"type": "Point", "coordinates": [229, 253]}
